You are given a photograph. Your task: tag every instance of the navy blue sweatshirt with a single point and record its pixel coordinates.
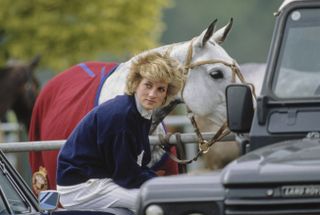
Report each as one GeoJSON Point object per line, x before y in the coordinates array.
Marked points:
{"type": "Point", "coordinates": [111, 141]}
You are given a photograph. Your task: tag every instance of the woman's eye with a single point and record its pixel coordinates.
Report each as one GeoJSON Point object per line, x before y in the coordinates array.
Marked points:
{"type": "Point", "coordinates": [162, 90]}
{"type": "Point", "coordinates": [148, 85]}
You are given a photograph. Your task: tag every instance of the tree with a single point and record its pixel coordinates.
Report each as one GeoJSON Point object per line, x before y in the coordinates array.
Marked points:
{"type": "Point", "coordinates": [68, 32]}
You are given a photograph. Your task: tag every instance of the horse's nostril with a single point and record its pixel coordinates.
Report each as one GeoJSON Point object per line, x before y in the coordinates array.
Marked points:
{"type": "Point", "coordinates": [217, 74]}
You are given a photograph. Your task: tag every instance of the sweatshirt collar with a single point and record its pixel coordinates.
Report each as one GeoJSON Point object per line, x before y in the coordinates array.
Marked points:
{"type": "Point", "coordinates": [143, 112]}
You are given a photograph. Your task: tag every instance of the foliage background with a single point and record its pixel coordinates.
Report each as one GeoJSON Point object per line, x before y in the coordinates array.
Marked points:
{"type": "Point", "coordinates": [68, 32]}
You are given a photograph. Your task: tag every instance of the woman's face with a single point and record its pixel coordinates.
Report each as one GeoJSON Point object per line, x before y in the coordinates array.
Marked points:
{"type": "Point", "coordinates": [151, 94]}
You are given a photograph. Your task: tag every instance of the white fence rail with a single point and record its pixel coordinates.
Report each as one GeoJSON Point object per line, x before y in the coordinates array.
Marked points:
{"type": "Point", "coordinates": [177, 120]}
{"type": "Point", "coordinates": [56, 144]}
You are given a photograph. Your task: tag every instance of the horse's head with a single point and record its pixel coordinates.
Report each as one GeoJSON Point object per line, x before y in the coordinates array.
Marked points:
{"type": "Point", "coordinates": [25, 88]}
{"type": "Point", "coordinates": [210, 70]}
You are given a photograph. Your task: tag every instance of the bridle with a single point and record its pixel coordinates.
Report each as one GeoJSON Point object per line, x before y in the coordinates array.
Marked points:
{"type": "Point", "coordinates": [204, 145]}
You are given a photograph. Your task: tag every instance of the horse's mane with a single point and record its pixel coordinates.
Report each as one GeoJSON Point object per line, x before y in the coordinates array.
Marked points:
{"type": "Point", "coordinates": [160, 49]}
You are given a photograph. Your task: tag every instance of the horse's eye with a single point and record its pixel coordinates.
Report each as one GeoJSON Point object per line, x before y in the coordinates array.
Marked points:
{"type": "Point", "coordinates": [217, 74]}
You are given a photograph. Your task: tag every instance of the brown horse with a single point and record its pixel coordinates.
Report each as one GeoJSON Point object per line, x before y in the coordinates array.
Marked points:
{"type": "Point", "coordinates": [19, 89]}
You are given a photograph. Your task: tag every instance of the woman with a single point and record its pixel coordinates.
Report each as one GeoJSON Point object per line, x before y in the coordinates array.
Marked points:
{"type": "Point", "coordinates": [104, 161]}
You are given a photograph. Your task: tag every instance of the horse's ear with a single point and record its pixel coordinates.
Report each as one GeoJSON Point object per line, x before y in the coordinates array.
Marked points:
{"type": "Point", "coordinates": [220, 35]}
{"type": "Point", "coordinates": [205, 35]}
{"type": "Point", "coordinates": [35, 61]}
{"type": "Point", "coordinates": [209, 32]}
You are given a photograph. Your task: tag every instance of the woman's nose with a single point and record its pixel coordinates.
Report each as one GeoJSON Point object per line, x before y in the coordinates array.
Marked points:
{"type": "Point", "coordinates": [153, 92]}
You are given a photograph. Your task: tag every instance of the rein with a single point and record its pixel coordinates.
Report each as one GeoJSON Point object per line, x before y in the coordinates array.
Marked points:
{"type": "Point", "coordinates": [204, 145]}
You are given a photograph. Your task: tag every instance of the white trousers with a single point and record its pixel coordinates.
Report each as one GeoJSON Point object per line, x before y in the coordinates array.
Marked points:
{"type": "Point", "coordinates": [98, 194]}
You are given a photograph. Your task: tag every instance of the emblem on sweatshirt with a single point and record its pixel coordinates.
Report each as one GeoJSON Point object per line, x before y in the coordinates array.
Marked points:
{"type": "Point", "coordinates": [139, 158]}
{"type": "Point", "coordinates": [39, 180]}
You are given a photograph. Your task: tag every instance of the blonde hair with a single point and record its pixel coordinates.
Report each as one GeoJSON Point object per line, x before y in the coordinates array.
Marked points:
{"type": "Point", "coordinates": [156, 67]}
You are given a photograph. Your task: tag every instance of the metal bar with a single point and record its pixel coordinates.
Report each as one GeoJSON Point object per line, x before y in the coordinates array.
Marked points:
{"type": "Point", "coordinates": [172, 120]}
{"type": "Point", "coordinates": [177, 120]}
{"type": "Point", "coordinates": [186, 138]}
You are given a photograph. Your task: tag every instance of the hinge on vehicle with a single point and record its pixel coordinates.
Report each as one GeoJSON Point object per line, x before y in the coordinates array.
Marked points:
{"type": "Point", "coordinates": [313, 135]}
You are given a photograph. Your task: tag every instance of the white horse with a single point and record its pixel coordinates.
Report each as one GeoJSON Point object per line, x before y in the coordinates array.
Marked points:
{"type": "Point", "coordinates": [210, 69]}
{"type": "Point", "coordinates": [254, 73]}
{"type": "Point", "coordinates": [209, 72]}
{"type": "Point", "coordinates": [221, 153]}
